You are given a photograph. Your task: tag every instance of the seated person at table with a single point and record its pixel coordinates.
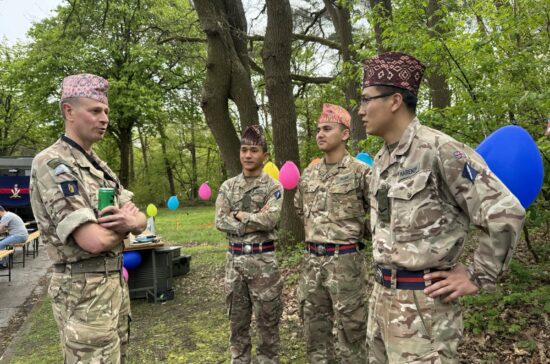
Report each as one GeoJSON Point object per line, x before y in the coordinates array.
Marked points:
{"type": "Point", "coordinates": [15, 227]}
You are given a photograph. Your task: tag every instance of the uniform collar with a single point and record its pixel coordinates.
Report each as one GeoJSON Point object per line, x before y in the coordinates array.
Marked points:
{"type": "Point", "coordinates": [322, 166]}
{"type": "Point", "coordinates": [384, 158]}
{"type": "Point", "coordinates": [407, 137]}
{"type": "Point", "coordinates": [88, 160]}
{"type": "Point", "coordinates": [241, 180]}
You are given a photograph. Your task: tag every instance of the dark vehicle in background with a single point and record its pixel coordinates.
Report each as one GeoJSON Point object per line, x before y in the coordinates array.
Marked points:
{"type": "Point", "coordinates": [15, 174]}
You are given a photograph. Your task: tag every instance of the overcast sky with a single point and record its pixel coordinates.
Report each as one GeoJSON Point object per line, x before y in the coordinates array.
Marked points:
{"type": "Point", "coordinates": [17, 16]}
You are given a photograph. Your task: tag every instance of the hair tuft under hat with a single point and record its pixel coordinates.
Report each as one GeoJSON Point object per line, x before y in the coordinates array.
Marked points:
{"type": "Point", "coordinates": [254, 135]}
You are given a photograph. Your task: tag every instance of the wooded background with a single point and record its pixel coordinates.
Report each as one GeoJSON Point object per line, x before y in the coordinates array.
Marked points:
{"type": "Point", "coordinates": [187, 76]}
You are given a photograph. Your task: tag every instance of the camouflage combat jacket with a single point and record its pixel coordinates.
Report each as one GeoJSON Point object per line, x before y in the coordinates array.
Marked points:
{"type": "Point", "coordinates": [425, 194]}
{"type": "Point", "coordinates": [333, 202]}
{"type": "Point", "coordinates": [64, 195]}
{"type": "Point", "coordinates": [259, 198]}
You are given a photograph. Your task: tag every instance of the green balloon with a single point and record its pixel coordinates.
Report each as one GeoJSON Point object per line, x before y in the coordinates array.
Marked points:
{"type": "Point", "coordinates": [151, 210]}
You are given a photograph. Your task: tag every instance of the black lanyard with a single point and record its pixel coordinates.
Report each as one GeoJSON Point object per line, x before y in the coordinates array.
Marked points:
{"type": "Point", "coordinates": [90, 159]}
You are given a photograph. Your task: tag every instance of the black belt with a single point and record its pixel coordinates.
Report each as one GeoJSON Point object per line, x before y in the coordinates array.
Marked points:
{"type": "Point", "coordinates": [92, 265]}
{"type": "Point", "coordinates": [329, 249]}
{"type": "Point", "coordinates": [405, 279]}
{"type": "Point", "coordinates": [251, 248]}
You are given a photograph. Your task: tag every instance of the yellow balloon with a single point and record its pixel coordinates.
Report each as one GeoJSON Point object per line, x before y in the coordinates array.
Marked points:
{"type": "Point", "coordinates": [272, 170]}
{"type": "Point", "coordinates": [151, 210]}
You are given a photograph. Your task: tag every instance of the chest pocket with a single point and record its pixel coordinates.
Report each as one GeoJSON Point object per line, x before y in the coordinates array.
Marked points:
{"type": "Point", "coordinates": [416, 210]}
{"type": "Point", "coordinates": [344, 202]}
{"type": "Point", "coordinates": [258, 198]}
{"type": "Point", "coordinates": [311, 198]}
{"type": "Point", "coordinates": [253, 200]}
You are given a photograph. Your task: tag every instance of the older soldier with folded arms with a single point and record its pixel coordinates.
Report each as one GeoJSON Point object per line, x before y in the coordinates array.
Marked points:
{"type": "Point", "coordinates": [426, 190]}
{"type": "Point", "coordinates": [89, 297]}
{"type": "Point", "coordinates": [332, 199]}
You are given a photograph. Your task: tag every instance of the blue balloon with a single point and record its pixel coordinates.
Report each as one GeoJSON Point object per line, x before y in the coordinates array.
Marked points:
{"type": "Point", "coordinates": [131, 259]}
{"type": "Point", "coordinates": [365, 158]}
{"type": "Point", "coordinates": [173, 203]}
{"type": "Point", "coordinates": [513, 156]}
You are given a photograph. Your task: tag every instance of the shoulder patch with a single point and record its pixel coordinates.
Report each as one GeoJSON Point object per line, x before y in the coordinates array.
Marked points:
{"type": "Point", "coordinates": [469, 172]}
{"type": "Point", "coordinates": [277, 194]}
{"type": "Point", "coordinates": [53, 163]}
{"type": "Point", "coordinates": [69, 188]}
{"type": "Point", "coordinates": [60, 169]}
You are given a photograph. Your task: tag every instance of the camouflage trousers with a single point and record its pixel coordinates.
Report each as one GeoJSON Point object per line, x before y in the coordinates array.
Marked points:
{"type": "Point", "coordinates": [407, 326]}
{"type": "Point", "coordinates": [332, 293]}
{"type": "Point", "coordinates": [253, 284]}
{"type": "Point", "coordinates": [92, 311]}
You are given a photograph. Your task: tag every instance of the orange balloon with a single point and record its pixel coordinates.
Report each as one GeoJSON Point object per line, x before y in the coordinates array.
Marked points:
{"type": "Point", "coordinates": [314, 162]}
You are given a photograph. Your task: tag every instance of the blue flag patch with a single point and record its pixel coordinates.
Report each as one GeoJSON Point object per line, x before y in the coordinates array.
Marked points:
{"type": "Point", "coordinates": [469, 172]}
{"type": "Point", "coordinates": [69, 188]}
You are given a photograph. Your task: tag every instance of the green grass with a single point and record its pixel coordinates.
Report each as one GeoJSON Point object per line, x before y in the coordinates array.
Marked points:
{"type": "Point", "coordinates": [188, 225]}
{"type": "Point", "coordinates": [192, 328]}
{"type": "Point", "coordinates": [41, 343]}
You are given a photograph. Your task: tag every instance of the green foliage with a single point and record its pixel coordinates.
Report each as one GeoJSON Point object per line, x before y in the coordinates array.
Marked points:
{"type": "Point", "coordinates": [192, 328]}
{"type": "Point", "coordinates": [515, 306]}
{"type": "Point", "coordinates": [20, 134]}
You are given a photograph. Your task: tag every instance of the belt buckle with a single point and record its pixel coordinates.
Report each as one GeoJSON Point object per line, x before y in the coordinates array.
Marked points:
{"type": "Point", "coordinates": [247, 249]}
{"type": "Point", "coordinates": [321, 250]}
{"type": "Point", "coordinates": [379, 276]}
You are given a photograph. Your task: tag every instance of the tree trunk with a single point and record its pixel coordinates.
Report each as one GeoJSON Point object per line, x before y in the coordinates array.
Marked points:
{"type": "Point", "coordinates": [167, 164]}
{"type": "Point", "coordinates": [193, 151]}
{"type": "Point", "coordinates": [143, 142]}
{"type": "Point", "coordinates": [276, 58]}
{"type": "Point", "coordinates": [383, 12]}
{"type": "Point", "coordinates": [227, 75]}
{"type": "Point", "coordinates": [132, 164]}
{"type": "Point", "coordinates": [437, 81]}
{"type": "Point", "coordinates": [341, 19]}
{"type": "Point", "coordinates": [125, 143]}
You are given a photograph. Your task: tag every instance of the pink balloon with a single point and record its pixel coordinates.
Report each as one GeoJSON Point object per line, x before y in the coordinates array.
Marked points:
{"type": "Point", "coordinates": [125, 274]}
{"type": "Point", "coordinates": [289, 175]}
{"type": "Point", "coordinates": [204, 191]}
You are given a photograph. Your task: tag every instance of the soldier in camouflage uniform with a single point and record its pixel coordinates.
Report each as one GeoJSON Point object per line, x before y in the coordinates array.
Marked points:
{"type": "Point", "coordinates": [248, 209]}
{"type": "Point", "coordinates": [332, 199]}
{"type": "Point", "coordinates": [426, 189]}
{"type": "Point", "coordinates": [89, 298]}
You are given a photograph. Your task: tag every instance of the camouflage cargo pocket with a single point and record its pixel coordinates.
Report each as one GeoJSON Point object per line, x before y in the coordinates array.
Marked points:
{"type": "Point", "coordinates": [101, 298]}
{"type": "Point", "coordinates": [344, 203]}
{"type": "Point", "coordinates": [66, 292]}
{"type": "Point", "coordinates": [352, 317]}
{"type": "Point", "coordinates": [309, 198]}
{"type": "Point", "coordinates": [267, 283]}
{"type": "Point", "coordinates": [416, 211]}
{"type": "Point", "coordinates": [258, 197]}
{"type": "Point", "coordinates": [85, 342]}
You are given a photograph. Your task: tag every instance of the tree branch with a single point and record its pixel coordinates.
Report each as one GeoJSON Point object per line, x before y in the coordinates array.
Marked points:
{"type": "Point", "coordinates": [182, 39]}
{"type": "Point", "coordinates": [300, 78]}
{"type": "Point", "coordinates": [304, 37]}
{"type": "Point", "coordinates": [316, 17]}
